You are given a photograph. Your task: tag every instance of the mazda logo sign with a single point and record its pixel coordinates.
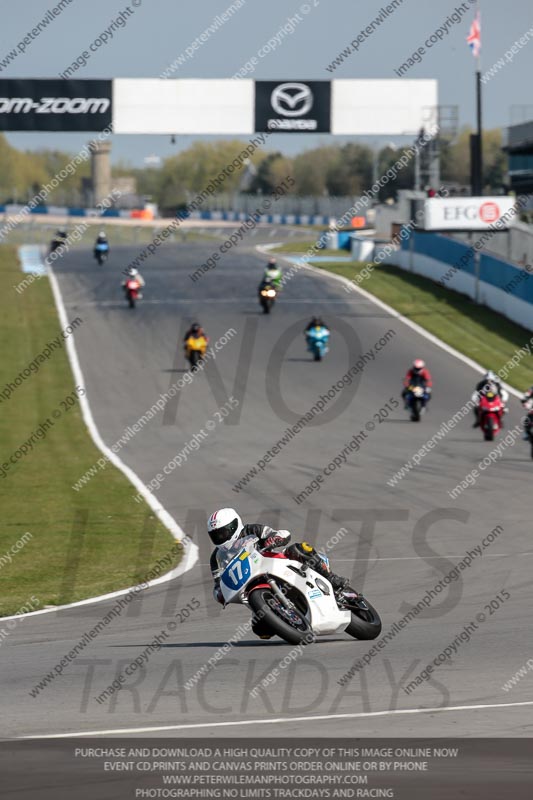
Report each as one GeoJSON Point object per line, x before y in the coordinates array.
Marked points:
{"type": "Point", "coordinates": [292, 99]}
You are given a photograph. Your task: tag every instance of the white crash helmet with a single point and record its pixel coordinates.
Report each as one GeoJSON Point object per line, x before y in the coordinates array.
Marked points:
{"type": "Point", "coordinates": [224, 527]}
{"type": "Point", "coordinates": [490, 376]}
{"type": "Point", "coordinates": [133, 272]}
{"type": "Point", "coordinates": [102, 235]}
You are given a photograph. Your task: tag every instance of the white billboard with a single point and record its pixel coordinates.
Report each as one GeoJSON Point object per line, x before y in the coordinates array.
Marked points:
{"type": "Point", "coordinates": [228, 106]}
{"type": "Point", "coordinates": [183, 106]}
{"type": "Point", "coordinates": [469, 213]}
{"type": "Point", "coordinates": [383, 107]}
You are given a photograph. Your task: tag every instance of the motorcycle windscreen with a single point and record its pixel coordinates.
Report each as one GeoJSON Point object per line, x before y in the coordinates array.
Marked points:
{"type": "Point", "coordinates": [225, 555]}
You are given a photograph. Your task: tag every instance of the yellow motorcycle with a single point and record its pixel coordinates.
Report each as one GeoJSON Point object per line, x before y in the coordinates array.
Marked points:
{"type": "Point", "coordinates": [195, 349]}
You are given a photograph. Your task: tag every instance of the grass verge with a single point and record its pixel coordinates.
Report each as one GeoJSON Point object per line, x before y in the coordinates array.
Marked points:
{"type": "Point", "coordinates": [474, 330]}
{"type": "Point", "coordinates": [82, 544]}
{"type": "Point", "coordinates": [297, 248]}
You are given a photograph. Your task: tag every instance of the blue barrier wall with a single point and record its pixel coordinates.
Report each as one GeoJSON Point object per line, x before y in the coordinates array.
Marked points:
{"type": "Point", "coordinates": [493, 271]}
{"type": "Point", "coordinates": [502, 286]}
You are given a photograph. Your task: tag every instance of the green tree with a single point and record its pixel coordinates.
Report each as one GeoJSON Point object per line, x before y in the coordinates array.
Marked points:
{"type": "Point", "coordinates": [351, 174]}
{"type": "Point", "coordinates": [455, 160]}
{"type": "Point", "coordinates": [387, 158]}
{"type": "Point", "coordinates": [311, 170]}
{"type": "Point", "coordinates": [272, 170]}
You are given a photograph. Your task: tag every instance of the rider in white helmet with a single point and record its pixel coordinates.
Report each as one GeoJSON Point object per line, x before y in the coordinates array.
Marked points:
{"type": "Point", "coordinates": [490, 382]}
{"type": "Point", "coordinates": [133, 273]}
{"type": "Point", "coordinates": [101, 239]}
{"type": "Point", "coordinates": [225, 527]}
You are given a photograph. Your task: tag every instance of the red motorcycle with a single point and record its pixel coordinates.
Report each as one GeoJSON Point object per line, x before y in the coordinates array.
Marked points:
{"type": "Point", "coordinates": [132, 288]}
{"type": "Point", "coordinates": [491, 411]}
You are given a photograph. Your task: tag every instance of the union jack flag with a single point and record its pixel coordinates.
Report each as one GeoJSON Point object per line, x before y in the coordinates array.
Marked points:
{"type": "Point", "coordinates": [474, 37]}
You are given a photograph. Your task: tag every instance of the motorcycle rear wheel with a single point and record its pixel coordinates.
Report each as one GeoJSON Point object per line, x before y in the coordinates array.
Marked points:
{"type": "Point", "coordinates": [291, 627]}
{"type": "Point", "coordinates": [194, 358]}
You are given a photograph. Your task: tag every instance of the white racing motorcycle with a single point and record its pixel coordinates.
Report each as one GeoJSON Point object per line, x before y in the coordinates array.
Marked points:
{"type": "Point", "coordinates": [289, 599]}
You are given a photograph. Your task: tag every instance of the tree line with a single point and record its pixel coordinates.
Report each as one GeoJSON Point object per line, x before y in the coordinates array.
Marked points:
{"type": "Point", "coordinates": [334, 170]}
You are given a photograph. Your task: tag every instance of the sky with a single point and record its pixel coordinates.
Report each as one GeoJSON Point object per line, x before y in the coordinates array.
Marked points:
{"type": "Point", "coordinates": [158, 31]}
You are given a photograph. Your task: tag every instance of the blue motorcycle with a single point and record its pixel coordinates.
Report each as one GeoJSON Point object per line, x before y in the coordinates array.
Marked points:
{"type": "Point", "coordinates": [101, 251]}
{"type": "Point", "coordinates": [317, 342]}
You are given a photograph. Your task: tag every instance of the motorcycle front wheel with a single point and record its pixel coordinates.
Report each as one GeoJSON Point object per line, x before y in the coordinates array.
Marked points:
{"type": "Point", "coordinates": [288, 624]}
{"type": "Point", "coordinates": [131, 300]}
{"type": "Point", "coordinates": [489, 431]}
{"type": "Point", "coordinates": [366, 622]}
{"type": "Point", "coordinates": [415, 410]}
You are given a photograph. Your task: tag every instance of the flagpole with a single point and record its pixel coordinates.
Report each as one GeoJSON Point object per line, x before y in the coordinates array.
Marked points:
{"type": "Point", "coordinates": [478, 190]}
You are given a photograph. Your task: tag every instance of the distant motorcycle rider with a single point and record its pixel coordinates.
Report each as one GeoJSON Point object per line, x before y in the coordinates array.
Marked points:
{"type": "Point", "coordinates": [225, 527]}
{"type": "Point", "coordinates": [60, 238]}
{"type": "Point", "coordinates": [101, 239]}
{"type": "Point", "coordinates": [195, 330]}
{"type": "Point", "coordinates": [272, 275]}
{"type": "Point", "coordinates": [133, 274]}
{"type": "Point", "coordinates": [417, 372]}
{"type": "Point", "coordinates": [490, 382]}
{"type": "Point", "coordinates": [527, 404]}
{"type": "Point", "coordinates": [316, 322]}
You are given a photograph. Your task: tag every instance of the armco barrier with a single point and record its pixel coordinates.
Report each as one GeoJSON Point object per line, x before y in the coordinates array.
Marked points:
{"type": "Point", "coordinates": [501, 286]}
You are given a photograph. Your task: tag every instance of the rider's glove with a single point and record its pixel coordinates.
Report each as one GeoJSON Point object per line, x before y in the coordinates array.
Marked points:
{"type": "Point", "coordinates": [217, 594]}
{"type": "Point", "coordinates": [428, 389]}
{"type": "Point", "coordinates": [274, 541]}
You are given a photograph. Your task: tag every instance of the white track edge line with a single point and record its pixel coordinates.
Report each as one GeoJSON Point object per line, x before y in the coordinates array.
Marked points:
{"type": "Point", "coordinates": [190, 555]}
{"type": "Point", "coordinates": [280, 720]}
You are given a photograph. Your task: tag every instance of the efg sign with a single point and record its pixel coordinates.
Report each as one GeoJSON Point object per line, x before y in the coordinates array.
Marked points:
{"type": "Point", "coordinates": [469, 213]}
{"type": "Point", "coordinates": [55, 105]}
{"type": "Point", "coordinates": [293, 106]}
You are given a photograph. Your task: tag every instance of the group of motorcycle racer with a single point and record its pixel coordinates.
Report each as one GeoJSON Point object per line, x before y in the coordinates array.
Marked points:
{"type": "Point", "coordinates": [225, 526]}
{"type": "Point", "coordinates": [490, 383]}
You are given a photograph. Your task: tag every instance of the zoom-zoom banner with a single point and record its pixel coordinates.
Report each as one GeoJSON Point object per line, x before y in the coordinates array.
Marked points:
{"type": "Point", "coordinates": [55, 105]}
